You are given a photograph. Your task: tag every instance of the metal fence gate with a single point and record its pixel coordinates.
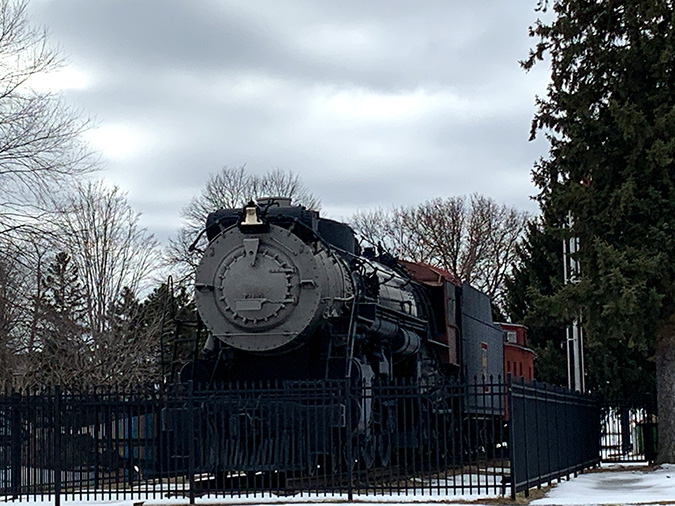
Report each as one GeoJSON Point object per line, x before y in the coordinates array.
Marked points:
{"type": "Point", "coordinates": [628, 433]}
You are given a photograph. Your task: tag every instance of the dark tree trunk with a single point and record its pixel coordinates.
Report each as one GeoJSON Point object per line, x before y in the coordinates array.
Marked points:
{"type": "Point", "coordinates": [665, 391]}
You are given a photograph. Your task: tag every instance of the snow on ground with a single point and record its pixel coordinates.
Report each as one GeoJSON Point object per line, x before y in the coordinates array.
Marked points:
{"type": "Point", "coordinates": [608, 485]}
{"type": "Point", "coordinates": [635, 486]}
{"type": "Point", "coordinates": [401, 499]}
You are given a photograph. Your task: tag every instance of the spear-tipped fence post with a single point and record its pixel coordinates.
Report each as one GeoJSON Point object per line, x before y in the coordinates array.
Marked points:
{"type": "Point", "coordinates": [191, 440]}
{"type": "Point", "coordinates": [349, 441]}
{"type": "Point", "coordinates": [58, 450]}
{"type": "Point", "coordinates": [15, 431]}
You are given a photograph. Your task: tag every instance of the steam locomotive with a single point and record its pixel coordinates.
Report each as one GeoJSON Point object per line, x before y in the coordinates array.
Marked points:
{"type": "Point", "coordinates": [290, 296]}
{"type": "Point", "coordinates": [287, 294]}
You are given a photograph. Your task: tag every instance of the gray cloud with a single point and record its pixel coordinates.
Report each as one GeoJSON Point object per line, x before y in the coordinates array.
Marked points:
{"type": "Point", "coordinates": [372, 103]}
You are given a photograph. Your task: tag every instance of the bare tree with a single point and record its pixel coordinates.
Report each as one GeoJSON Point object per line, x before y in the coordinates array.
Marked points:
{"type": "Point", "coordinates": [41, 156]}
{"type": "Point", "coordinates": [472, 238]}
{"type": "Point", "coordinates": [81, 339]}
{"type": "Point", "coordinates": [391, 230]}
{"type": "Point", "coordinates": [59, 321]}
{"type": "Point", "coordinates": [101, 233]}
{"type": "Point", "coordinates": [12, 313]}
{"type": "Point", "coordinates": [41, 150]}
{"type": "Point", "coordinates": [21, 290]}
{"type": "Point", "coordinates": [231, 187]}
{"type": "Point", "coordinates": [67, 353]}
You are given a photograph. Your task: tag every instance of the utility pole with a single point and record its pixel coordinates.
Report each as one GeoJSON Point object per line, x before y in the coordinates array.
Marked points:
{"type": "Point", "coordinates": [575, 335]}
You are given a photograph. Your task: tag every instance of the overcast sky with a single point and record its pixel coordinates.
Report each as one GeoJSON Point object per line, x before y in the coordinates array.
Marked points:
{"type": "Point", "coordinates": [373, 103]}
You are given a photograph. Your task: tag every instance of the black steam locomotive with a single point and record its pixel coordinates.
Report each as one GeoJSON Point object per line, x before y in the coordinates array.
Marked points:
{"type": "Point", "coordinates": [291, 298]}
{"type": "Point", "coordinates": [288, 295]}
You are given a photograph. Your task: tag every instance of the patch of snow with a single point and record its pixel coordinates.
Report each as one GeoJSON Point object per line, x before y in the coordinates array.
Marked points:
{"type": "Point", "coordinates": [615, 487]}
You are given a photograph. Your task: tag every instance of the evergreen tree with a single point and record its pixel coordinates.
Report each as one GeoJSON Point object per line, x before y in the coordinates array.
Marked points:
{"type": "Point", "coordinates": [125, 314]}
{"type": "Point", "coordinates": [126, 352]}
{"type": "Point", "coordinates": [609, 115]}
{"type": "Point", "coordinates": [173, 315]}
{"type": "Point", "coordinates": [63, 353]}
{"type": "Point", "coordinates": [64, 293]}
{"type": "Point", "coordinates": [538, 274]}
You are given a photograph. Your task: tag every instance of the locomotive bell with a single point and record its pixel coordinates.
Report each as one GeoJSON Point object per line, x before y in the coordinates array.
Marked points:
{"type": "Point", "coordinates": [251, 215]}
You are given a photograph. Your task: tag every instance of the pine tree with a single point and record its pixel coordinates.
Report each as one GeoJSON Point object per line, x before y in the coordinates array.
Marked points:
{"type": "Point", "coordinates": [126, 352]}
{"type": "Point", "coordinates": [165, 310]}
{"type": "Point", "coordinates": [609, 115]}
{"type": "Point", "coordinates": [538, 274]}
{"type": "Point", "coordinates": [125, 314]}
{"type": "Point", "coordinates": [63, 352]}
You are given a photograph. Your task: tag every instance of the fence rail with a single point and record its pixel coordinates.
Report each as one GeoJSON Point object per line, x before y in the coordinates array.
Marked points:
{"type": "Point", "coordinates": [328, 438]}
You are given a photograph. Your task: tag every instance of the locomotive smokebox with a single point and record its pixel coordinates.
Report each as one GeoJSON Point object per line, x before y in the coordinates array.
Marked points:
{"type": "Point", "coordinates": [262, 289]}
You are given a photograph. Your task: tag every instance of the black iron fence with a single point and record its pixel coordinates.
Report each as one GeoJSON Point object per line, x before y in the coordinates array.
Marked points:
{"type": "Point", "coordinates": [554, 432]}
{"type": "Point", "coordinates": [273, 439]}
